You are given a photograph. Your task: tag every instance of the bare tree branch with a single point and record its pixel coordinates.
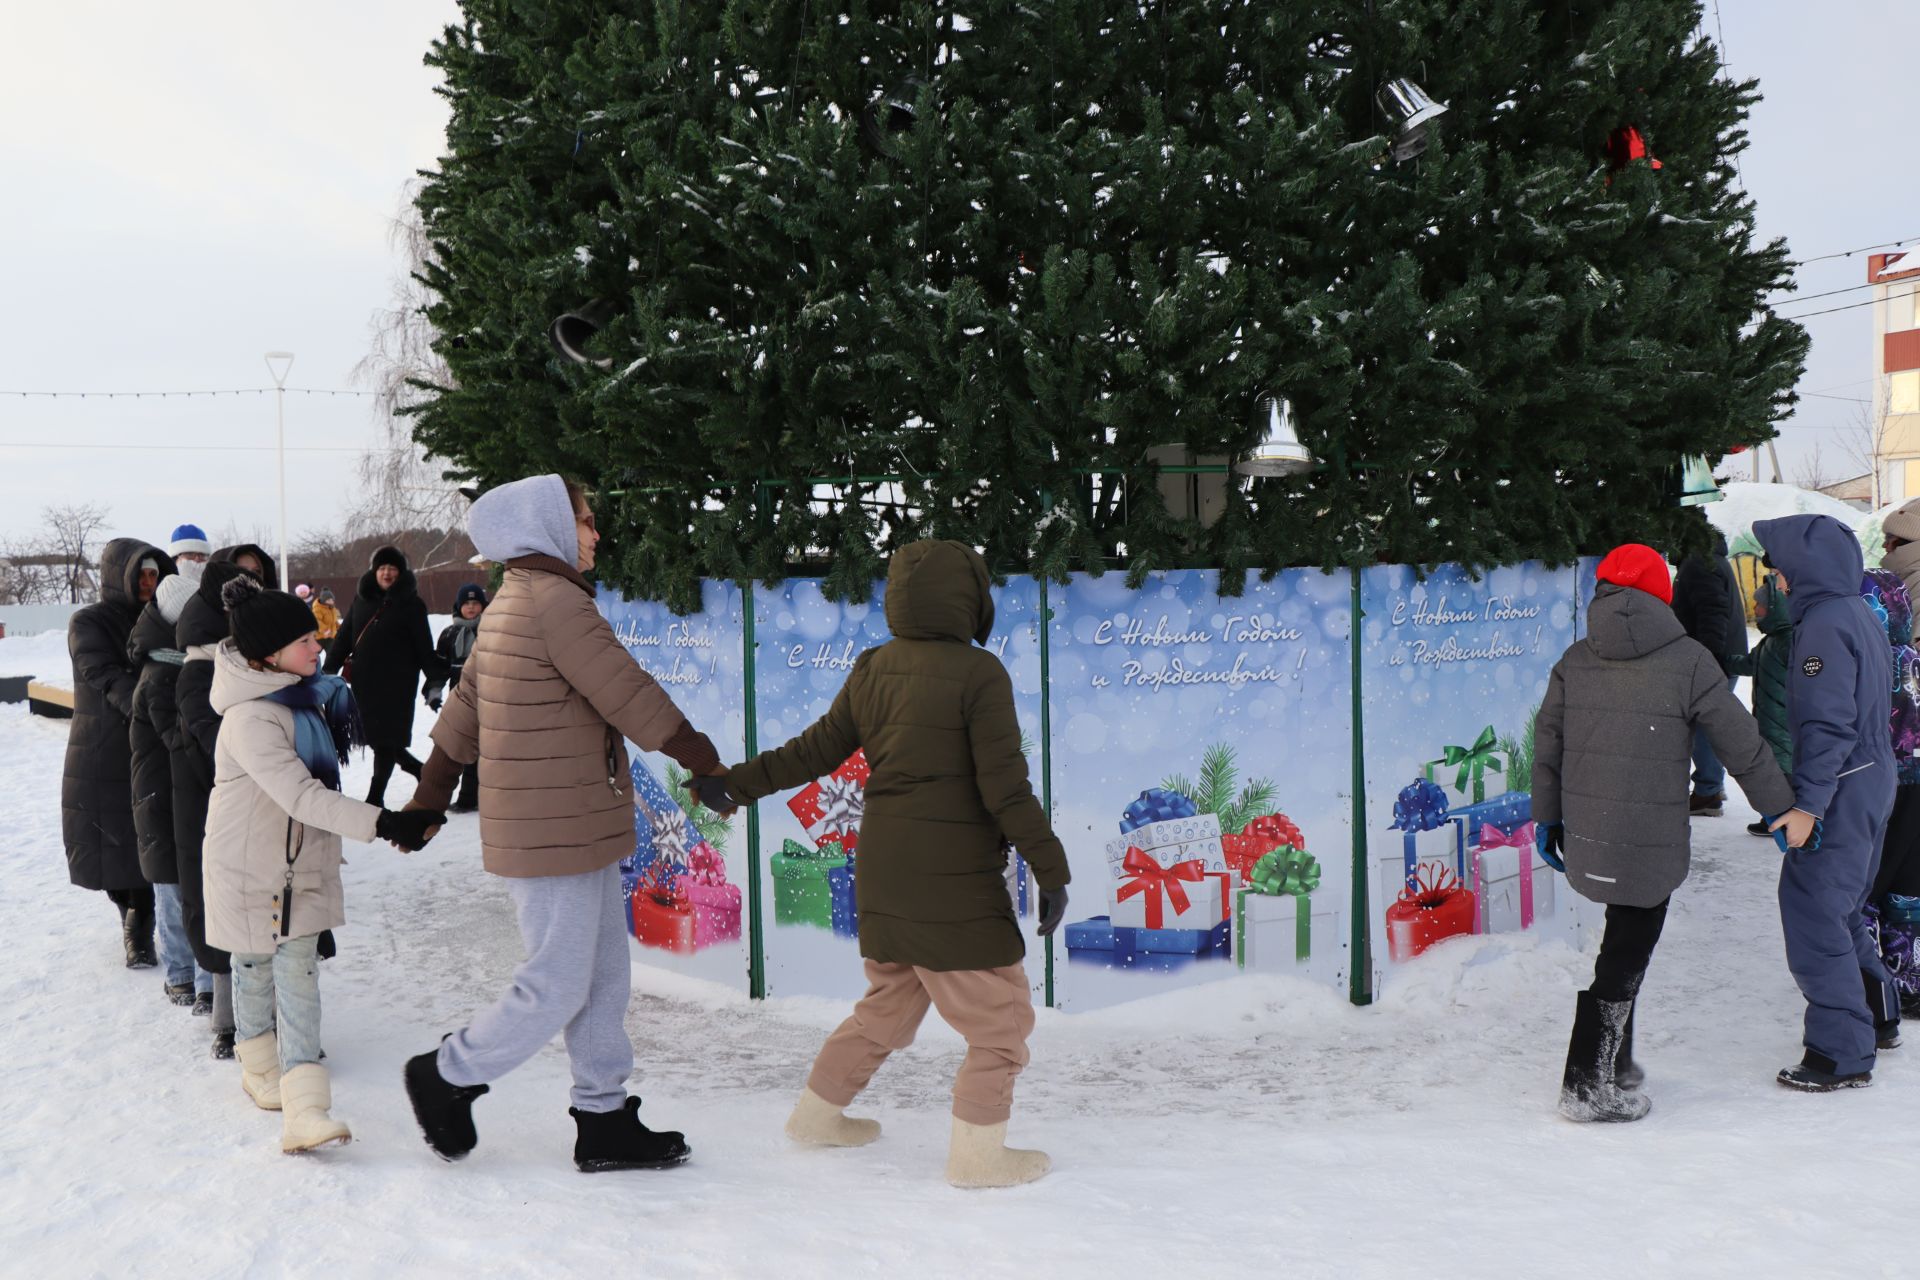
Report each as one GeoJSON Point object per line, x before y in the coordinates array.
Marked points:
{"type": "Point", "coordinates": [401, 486]}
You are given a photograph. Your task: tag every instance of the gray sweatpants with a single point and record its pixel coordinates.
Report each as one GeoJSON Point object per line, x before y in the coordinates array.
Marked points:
{"type": "Point", "coordinates": [576, 979]}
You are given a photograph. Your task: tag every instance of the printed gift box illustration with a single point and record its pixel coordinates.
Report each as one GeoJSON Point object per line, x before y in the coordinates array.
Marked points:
{"type": "Point", "coordinates": [802, 883]}
{"type": "Point", "coordinates": [1278, 927]}
{"type": "Point", "coordinates": [678, 897]}
{"type": "Point", "coordinates": [831, 807]}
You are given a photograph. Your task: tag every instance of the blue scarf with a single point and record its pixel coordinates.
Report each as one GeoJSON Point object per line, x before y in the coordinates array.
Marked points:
{"type": "Point", "coordinates": [326, 722]}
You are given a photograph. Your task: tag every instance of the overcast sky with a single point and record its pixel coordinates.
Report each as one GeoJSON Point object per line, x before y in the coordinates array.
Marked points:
{"type": "Point", "coordinates": [192, 184]}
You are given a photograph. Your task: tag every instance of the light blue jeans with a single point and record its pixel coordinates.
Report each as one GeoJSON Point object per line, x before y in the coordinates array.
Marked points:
{"type": "Point", "coordinates": [281, 990]}
{"type": "Point", "coordinates": [176, 953]}
{"type": "Point", "coordinates": [1709, 775]}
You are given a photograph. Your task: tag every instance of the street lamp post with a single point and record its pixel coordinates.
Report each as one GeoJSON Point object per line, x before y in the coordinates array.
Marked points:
{"type": "Point", "coordinates": [278, 364]}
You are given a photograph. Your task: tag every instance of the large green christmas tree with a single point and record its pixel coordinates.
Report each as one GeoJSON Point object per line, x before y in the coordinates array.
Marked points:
{"type": "Point", "coordinates": [981, 269]}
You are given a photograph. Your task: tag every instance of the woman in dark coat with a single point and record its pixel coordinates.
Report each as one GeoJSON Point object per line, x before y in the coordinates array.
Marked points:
{"type": "Point", "coordinates": [96, 789]}
{"type": "Point", "coordinates": [202, 626]}
{"type": "Point", "coordinates": [154, 735]}
{"type": "Point", "coordinates": [382, 649]}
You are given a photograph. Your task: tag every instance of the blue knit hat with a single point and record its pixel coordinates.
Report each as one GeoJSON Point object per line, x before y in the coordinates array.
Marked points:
{"type": "Point", "coordinates": [471, 591]}
{"type": "Point", "coordinates": [191, 539]}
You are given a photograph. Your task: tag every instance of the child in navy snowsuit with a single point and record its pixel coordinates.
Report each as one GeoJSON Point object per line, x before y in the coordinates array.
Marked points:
{"type": "Point", "coordinates": [1839, 702]}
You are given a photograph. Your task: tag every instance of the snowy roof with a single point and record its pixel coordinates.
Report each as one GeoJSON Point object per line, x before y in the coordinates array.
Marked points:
{"type": "Point", "coordinates": [1897, 263]}
{"type": "Point", "coordinates": [1747, 502]}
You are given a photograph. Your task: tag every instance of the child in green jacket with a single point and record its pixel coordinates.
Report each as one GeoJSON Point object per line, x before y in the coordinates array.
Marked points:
{"type": "Point", "coordinates": [1767, 664]}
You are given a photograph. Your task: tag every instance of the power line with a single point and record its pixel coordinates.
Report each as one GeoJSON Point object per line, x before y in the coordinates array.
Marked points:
{"type": "Point", "coordinates": [1808, 315]}
{"type": "Point", "coordinates": [193, 448]}
{"type": "Point", "coordinates": [1865, 248]}
{"type": "Point", "coordinates": [162, 395]}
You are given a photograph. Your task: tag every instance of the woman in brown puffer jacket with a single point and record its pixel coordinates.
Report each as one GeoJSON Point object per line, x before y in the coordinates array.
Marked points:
{"type": "Point", "coordinates": [947, 794]}
{"type": "Point", "coordinates": [544, 701]}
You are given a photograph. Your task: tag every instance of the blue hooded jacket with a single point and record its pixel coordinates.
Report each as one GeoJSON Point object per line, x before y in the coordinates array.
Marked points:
{"type": "Point", "coordinates": [1840, 677]}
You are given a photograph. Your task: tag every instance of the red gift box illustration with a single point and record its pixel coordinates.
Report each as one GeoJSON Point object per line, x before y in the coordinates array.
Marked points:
{"type": "Point", "coordinates": [831, 808]}
{"type": "Point", "coordinates": [1436, 908]}
{"type": "Point", "coordinates": [1260, 837]}
{"type": "Point", "coordinates": [683, 910]}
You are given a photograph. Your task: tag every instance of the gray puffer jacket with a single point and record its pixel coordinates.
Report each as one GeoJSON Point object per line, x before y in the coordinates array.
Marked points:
{"type": "Point", "coordinates": [1614, 743]}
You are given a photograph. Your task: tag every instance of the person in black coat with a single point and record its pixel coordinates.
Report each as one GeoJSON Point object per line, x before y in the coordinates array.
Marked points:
{"type": "Point", "coordinates": [1706, 600]}
{"type": "Point", "coordinates": [154, 735]}
{"type": "Point", "coordinates": [202, 626]}
{"type": "Point", "coordinates": [382, 649]}
{"type": "Point", "coordinates": [450, 654]}
{"type": "Point", "coordinates": [96, 787]}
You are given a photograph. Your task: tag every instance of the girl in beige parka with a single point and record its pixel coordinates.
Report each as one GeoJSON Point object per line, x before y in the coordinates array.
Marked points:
{"type": "Point", "coordinates": [271, 862]}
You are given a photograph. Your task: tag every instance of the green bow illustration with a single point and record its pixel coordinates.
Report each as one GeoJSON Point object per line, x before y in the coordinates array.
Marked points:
{"type": "Point", "coordinates": [1285, 870]}
{"type": "Point", "coordinates": [1473, 762]}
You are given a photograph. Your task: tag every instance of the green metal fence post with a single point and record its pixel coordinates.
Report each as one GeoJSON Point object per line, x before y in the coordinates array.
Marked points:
{"type": "Point", "coordinates": [1046, 736]}
{"type": "Point", "coordinates": [756, 930]}
{"type": "Point", "coordinates": [1359, 984]}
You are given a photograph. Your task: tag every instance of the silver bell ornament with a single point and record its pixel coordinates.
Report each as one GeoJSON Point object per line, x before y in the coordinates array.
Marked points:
{"type": "Point", "coordinates": [1697, 485]}
{"type": "Point", "coordinates": [1279, 452]}
{"type": "Point", "coordinates": [572, 331]}
{"type": "Point", "coordinates": [1412, 113]}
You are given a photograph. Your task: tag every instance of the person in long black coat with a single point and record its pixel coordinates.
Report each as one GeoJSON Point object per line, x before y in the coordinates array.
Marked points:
{"type": "Point", "coordinates": [384, 646]}
{"type": "Point", "coordinates": [202, 626]}
{"type": "Point", "coordinates": [96, 788]}
{"type": "Point", "coordinates": [154, 736]}
{"type": "Point", "coordinates": [1707, 601]}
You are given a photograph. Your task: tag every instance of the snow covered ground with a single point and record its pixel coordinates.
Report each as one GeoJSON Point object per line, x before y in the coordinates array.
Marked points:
{"type": "Point", "coordinates": [1255, 1127]}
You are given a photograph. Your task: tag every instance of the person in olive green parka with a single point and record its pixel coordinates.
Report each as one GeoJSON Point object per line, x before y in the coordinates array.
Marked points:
{"type": "Point", "coordinates": [948, 792]}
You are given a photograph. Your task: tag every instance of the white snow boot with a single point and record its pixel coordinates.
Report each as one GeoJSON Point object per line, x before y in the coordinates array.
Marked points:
{"type": "Point", "coordinates": [306, 1095]}
{"type": "Point", "coordinates": [260, 1069]}
{"type": "Point", "coordinates": [980, 1157]}
{"type": "Point", "coordinates": [819, 1123]}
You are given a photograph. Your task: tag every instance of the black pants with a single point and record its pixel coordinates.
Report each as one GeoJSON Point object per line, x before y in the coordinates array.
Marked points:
{"type": "Point", "coordinates": [384, 759]}
{"type": "Point", "coordinates": [1625, 950]}
{"type": "Point", "coordinates": [133, 899]}
{"type": "Point", "coordinates": [1900, 851]}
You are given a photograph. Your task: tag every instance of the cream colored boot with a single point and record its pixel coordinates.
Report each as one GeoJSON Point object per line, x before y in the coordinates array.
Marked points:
{"type": "Point", "coordinates": [980, 1157]}
{"type": "Point", "coordinates": [819, 1123]}
{"type": "Point", "coordinates": [260, 1069]}
{"type": "Point", "coordinates": [306, 1095]}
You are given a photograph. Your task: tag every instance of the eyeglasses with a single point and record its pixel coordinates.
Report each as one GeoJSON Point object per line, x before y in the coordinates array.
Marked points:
{"type": "Point", "coordinates": [587, 520]}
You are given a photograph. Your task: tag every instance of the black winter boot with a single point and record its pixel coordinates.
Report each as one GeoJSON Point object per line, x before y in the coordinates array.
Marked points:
{"type": "Point", "coordinates": [223, 1043]}
{"type": "Point", "coordinates": [1626, 1072]}
{"type": "Point", "coordinates": [617, 1140]}
{"type": "Point", "coordinates": [180, 993]}
{"type": "Point", "coordinates": [1817, 1073]}
{"type": "Point", "coordinates": [136, 930]}
{"type": "Point", "coordinates": [444, 1110]}
{"type": "Point", "coordinates": [1883, 1002]}
{"type": "Point", "coordinates": [203, 1004]}
{"type": "Point", "coordinates": [1588, 1091]}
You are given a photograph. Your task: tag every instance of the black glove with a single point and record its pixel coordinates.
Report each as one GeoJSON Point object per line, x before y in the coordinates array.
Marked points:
{"type": "Point", "coordinates": [1053, 909]}
{"type": "Point", "coordinates": [711, 790]}
{"type": "Point", "coordinates": [407, 828]}
{"type": "Point", "coordinates": [434, 701]}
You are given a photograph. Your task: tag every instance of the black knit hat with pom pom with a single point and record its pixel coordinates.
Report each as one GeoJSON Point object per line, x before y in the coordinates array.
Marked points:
{"type": "Point", "coordinates": [264, 622]}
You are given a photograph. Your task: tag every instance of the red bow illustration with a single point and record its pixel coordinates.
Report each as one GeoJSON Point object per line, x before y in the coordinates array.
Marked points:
{"type": "Point", "coordinates": [1163, 884]}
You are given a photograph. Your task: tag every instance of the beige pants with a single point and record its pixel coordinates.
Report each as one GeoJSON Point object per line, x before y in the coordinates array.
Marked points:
{"type": "Point", "coordinates": [992, 1008]}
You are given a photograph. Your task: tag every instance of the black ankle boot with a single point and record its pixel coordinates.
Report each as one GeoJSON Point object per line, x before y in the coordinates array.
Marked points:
{"type": "Point", "coordinates": [1817, 1073]}
{"type": "Point", "coordinates": [223, 1044]}
{"type": "Point", "coordinates": [444, 1110]}
{"type": "Point", "coordinates": [136, 932]}
{"type": "Point", "coordinates": [611, 1140]}
{"type": "Point", "coordinates": [1588, 1090]}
